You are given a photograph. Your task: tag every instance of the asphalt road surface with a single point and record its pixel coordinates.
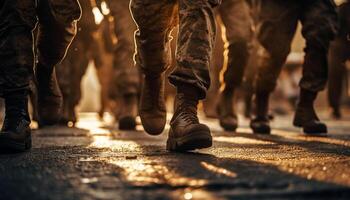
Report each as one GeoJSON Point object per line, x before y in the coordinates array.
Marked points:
{"type": "Point", "coordinates": [97, 161]}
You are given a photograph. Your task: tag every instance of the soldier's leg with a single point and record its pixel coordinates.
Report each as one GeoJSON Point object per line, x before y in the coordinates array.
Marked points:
{"type": "Point", "coordinates": [235, 15]}
{"type": "Point", "coordinates": [105, 66]}
{"type": "Point", "coordinates": [319, 20]}
{"type": "Point", "coordinates": [18, 19]}
{"type": "Point", "coordinates": [79, 69]}
{"type": "Point", "coordinates": [69, 74]}
{"type": "Point", "coordinates": [211, 100]}
{"type": "Point", "coordinates": [279, 22]}
{"type": "Point", "coordinates": [57, 27]}
{"type": "Point", "coordinates": [64, 78]}
{"type": "Point", "coordinates": [196, 38]}
{"type": "Point", "coordinates": [155, 22]}
{"type": "Point", "coordinates": [337, 70]}
{"type": "Point", "coordinates": [126, 75]}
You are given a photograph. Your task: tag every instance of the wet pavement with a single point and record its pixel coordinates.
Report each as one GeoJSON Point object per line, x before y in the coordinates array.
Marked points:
{"type": "Point", "coordinates": [97, 161]}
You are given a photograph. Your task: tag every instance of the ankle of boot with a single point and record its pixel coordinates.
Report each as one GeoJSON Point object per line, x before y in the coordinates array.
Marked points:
{"type": "Point", "coordinates": [17, 104]}
{"type": "Point", "coordinates": [262, 104]}
{"type": "Point", "coordinates": [307, 98]}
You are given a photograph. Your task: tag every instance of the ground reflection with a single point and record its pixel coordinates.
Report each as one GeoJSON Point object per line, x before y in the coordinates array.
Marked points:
{"type": "Point", "coordinates": [142, 167]}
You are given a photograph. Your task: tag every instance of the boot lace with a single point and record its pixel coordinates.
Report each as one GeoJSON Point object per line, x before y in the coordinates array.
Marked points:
{"type": "Point", "coordinates": [187, 109]}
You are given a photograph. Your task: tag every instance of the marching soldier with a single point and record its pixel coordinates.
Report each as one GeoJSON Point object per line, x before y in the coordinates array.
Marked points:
{"type": "Point", "coordinates": [237, 22]}
{"type": "Point", "coordinates": [279, 23]}
{"type": "Point", "coordinates": [339, 54]}
{"type": "Point", "coordinates": [155, 20]}
{"type": "Point", "coordinates": [56, 21]}
{"type": "Point", "coordinates": [125, 81]}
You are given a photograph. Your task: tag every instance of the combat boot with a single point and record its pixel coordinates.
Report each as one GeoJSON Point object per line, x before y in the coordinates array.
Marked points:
{"type": "Point", "coordinates": [227, 116]}
{"type": "Point", "coordinates": [49, 96]}
{"type": "Point", "coordinates": [152, 104]}
{"type": "Point", "coordinates": [306, 117]}
{"type": "Point", "coordinates": [127, 118]}
{"type": "Point", "coordinates": [16, 134]}
{"type": "Point", "coordinates": [260, 124]}
{"type": "Point", "coordinates": [186, 133]}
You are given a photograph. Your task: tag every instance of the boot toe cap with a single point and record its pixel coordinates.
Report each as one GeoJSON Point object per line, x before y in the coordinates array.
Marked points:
{"type": "Point", "coordinates": [153, 125]}
{"type": "Point", "coordinates": [229, 124]}
{"type": "Point", "coordinates": [315, 128]}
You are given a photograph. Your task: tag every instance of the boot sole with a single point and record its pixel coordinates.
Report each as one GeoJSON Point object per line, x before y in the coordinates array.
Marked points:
{"type": "Point", "coordinates": [10, 145]}
{"type": "Point", "coordinates": [262, 131]}
{"type": "Point", "coordinates": [231, 128]}
{"type": "Point", "coordinates": [193, 141]}
{"type": "Point", "coordinates": [320, 133]}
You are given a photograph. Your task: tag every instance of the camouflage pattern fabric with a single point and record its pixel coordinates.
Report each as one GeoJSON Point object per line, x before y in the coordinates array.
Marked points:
{"type": "Point", "coordinates": [125, 78]}
{"type": "Point", "coordinates": [339, 53]}
{"type": "Point", "coordinates": [72, 69]}
{"type": "Point", "coordinates": [279, 23]}
{"type": "Point", "coordinates": [237, 25]}
{"type": "Point", "coordinates": [156, 19]}
{"type": "Point", "coordinates": [56, 28]}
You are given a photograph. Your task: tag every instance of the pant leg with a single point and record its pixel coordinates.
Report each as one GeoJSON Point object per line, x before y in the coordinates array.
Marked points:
{"type": "Point", "coordinates": [337, 71]}
{"type": "Point", "coordinates": [279, 21]}
{"type": "Point", "coordinates": [196, 39]}
{"type": "Point", "coordinates": [237, 24]}
{"type": "Point", "coordinates": [126, 76]}
{"type": "Point", "coordinates": [18, 19]}
{"type": "Point", "coordinates": [319, 20]}
{"type": "Point", "coordinates": [155, 22]}
{"type": "Point", "coordinates": [57, 28]}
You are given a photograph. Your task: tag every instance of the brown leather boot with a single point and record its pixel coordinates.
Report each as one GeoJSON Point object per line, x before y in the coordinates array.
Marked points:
{"type": "Point", "coordinates": [15, 134]}
{"type": "Point", "coordinates": [186, 133]}
{"type": "Point", "coordinates": [306, 117]}
{"type": "Point", "coordinates": [127, 118]}
{"type": "Point", "coordinates": [49, 96]}
{"type": "Point", "coordinates": [227, 117]}
{"type": "Point", "coordinates": [152, 104]}
{"type": "Point", "coordinates": [260, 124]}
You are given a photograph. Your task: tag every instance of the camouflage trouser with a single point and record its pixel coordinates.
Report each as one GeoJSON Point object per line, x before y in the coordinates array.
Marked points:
{"type": "Point", "coordinates": [56, 28]}
{"type": "Point", "coordinates": [237, 26]}
{"type": "Point", "coordinates": [279, 22]}
{"type": "Point", "coordinates": [126, 76]}
{"type": "Point", "coordinates": [72, 69]}
{"type": "Point", "coordinates": [338, 55]}
{"type": "Point", "coordinates": [156, 19]}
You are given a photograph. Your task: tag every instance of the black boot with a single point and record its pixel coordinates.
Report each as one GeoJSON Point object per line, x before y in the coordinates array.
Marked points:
{"type": "Point", "coordinates": [227, 116]}
{"type": "Point", "coordinates": [260, 124]}
{"type": "Point", "coordinates": [152, 104]}
{"type": "Point", "coordinates": [186, 133]}
{"type": "Point", "coordinates": [305, 115]}
{"type": "Point", "coordinates": [49, 96]}
{"type": "Point", "coordinates": [15, 134]}
{"type": "Point", "coordinates": [127, 118]}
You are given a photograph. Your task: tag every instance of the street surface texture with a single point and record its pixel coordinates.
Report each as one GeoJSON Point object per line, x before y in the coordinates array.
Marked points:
{"type": "Point", "coordinates": [97, 161]}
